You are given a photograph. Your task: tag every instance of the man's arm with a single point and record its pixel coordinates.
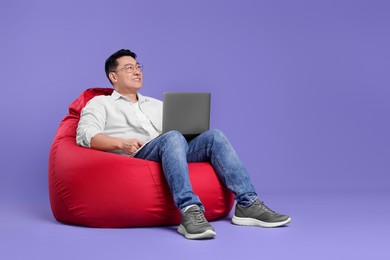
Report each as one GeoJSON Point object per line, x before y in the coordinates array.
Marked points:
{"type": "Point", "coordinates": [105, 143]}
{"type": "Point", "coordinates": [91, 126]}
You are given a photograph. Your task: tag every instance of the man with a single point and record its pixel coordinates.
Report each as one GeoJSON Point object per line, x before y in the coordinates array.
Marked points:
{"type": "Point", "coordinates": [128, 123]}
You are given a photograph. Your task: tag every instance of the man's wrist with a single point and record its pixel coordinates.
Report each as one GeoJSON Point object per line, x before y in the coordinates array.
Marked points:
{"type": "Point", "coordinates": [118, 144]}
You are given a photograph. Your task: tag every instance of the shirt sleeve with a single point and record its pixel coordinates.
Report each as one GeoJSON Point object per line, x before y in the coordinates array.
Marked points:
{"type": "Point", "coordinates": [92, 122]}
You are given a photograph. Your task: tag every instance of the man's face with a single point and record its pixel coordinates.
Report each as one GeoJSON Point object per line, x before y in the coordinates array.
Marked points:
{"type": "Point", "coordinates": [127, 78]}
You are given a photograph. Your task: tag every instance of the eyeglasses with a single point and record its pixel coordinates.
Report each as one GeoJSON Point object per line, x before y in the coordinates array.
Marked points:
{"type": "Point", "coordinates": [130, 68]}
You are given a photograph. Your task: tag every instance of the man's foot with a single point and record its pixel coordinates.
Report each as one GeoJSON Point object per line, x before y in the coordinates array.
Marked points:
{"type": "Point", "coordinates": [194, 225]}
{"type": "Point", "coordinates": [260, 215]}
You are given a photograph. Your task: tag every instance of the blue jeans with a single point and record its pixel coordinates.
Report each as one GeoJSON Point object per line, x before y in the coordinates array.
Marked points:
{"type": "Point", "coordinates": [174, 152]}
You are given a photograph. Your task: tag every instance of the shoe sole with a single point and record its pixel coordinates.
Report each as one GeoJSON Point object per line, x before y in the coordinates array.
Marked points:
{"type": "Point", "coordinates": [259, 223]}
{"type": "Point", "coordinates": [207, 234]}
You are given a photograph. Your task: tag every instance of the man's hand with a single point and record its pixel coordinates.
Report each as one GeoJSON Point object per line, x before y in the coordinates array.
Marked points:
{"type": "Point", "coordinates": [129, 146]}
{"type": "Point", "coordinates": [105, 143]}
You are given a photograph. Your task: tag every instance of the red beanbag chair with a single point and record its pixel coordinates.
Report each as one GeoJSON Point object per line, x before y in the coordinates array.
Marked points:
{"type": "Point", "coordinates": [101, 189]}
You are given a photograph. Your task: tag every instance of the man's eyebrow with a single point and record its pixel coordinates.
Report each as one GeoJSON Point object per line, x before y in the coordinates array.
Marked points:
{"type": "Point", "coordinates": [127, 64]}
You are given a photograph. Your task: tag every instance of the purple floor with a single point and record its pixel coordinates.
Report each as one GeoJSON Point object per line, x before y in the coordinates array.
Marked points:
{"type": "Point", "coordinates": [324, 226]}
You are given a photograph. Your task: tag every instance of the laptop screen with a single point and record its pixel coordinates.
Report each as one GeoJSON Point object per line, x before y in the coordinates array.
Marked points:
{"type": "Point", "coordinates": [186, 112]}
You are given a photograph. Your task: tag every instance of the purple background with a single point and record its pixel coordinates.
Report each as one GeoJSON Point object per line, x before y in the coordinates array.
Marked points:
{"type": "Point", "coordinates": [301, 88]}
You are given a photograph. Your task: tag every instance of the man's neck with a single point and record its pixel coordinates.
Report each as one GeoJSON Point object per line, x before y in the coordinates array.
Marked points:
{"type": "Point", "coordinates": [132, 95]}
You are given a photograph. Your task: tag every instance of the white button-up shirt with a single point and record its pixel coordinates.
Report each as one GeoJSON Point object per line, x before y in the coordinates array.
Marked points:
{"type": "Point", "coordinates": [117, 116]}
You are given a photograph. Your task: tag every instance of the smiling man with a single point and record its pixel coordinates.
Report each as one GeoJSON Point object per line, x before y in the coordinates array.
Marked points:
{"type": "Point", "coordinates": [129, 123]}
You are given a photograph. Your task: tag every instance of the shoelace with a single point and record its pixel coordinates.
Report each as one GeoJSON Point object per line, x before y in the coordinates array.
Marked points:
{"type": "Point", "coordinates": [197, 217]}
{"type": "Point", "coordinates": [263, 206]}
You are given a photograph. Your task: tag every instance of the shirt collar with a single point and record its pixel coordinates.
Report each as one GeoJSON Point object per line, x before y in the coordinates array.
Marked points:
{"type": "Point", "coordinates": [141, 98]}
{"type": "Point", "coordinates": [116, 95]}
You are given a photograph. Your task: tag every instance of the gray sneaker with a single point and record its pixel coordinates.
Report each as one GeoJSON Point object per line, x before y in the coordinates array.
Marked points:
{"type": "Point", "coordinates": [194, 225]}
{"type": "Point", "coordinates": [260, 215]}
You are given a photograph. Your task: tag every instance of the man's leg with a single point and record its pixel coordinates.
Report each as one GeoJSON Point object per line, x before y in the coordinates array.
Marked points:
{"type": "Point", "coordinates": [213, 146]}
{"type": "Point", "coordinates": [171, 150]}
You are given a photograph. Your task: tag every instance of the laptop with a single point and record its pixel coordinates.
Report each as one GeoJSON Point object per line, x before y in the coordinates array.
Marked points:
{"type": "Point", "coordinates": [186, 112]}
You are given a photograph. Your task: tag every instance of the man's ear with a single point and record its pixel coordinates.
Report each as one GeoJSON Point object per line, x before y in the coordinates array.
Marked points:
{"type": "Point", "coordinates": [112, 76]}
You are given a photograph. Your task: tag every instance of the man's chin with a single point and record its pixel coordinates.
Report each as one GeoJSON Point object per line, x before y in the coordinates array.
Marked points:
{"type": "Point", "coordinates": [129, 89]}
{"type": "Point", "coordinates": [136, 87]}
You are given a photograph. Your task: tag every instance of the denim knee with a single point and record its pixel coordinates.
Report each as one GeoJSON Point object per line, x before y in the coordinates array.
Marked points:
{"type": "Point", "coordinates": [174, 135]}
{"type": "Point", "coordinates": [216, 135]}
{"type": "Point", "coordinates": [175, 139]}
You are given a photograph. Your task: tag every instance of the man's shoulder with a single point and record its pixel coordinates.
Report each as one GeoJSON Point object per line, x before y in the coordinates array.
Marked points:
{"type": "Point", "coordinates": [99, 102]}
{"type": "Point", "coordinates": [155, 100]}
{"type": "Point", "coordinates": [100, 99]}
{"type": "Point", "coordinates": [152, 100]}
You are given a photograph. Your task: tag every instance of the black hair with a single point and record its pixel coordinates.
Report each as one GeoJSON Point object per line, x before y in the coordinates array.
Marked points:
{"type": "Point", "coordinates": [111, 63]}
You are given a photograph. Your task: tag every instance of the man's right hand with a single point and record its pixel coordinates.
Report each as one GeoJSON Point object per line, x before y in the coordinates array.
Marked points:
{"type": "Point", "coordinates": [105, 143]}
{"type": "Point", "coordinates": [129, 146]}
